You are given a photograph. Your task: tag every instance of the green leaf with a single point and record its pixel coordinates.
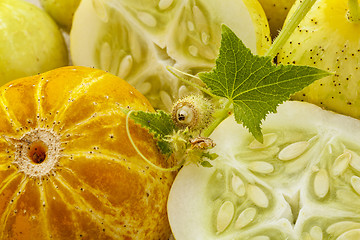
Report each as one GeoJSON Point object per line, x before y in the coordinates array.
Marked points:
{"type": "Point", "coordinates": [206, 164]}
{"type": "Point", "coordinates": [253, 83]}
{"type": "Point", "coordinates": [159, 124]}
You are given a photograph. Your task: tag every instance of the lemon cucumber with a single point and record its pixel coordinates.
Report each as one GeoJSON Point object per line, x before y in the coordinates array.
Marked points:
{"type": "Point", "coordinates": [30, 41]}
{"type": "Point", "coordinates": [328, 38]}
{"type": "Point", "coordinates": [62, 11]}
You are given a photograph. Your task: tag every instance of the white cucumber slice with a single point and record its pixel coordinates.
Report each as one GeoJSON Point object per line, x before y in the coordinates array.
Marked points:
{"type": "Point", "coordinates": [138, 40]}
{"type": "Point", "coordinates": [304, 173]}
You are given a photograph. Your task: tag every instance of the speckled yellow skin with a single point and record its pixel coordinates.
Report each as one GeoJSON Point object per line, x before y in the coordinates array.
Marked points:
{"type": "Point", "coordinates": [328, 40]}
{"type": "Point", "coordinates": [92, 184]}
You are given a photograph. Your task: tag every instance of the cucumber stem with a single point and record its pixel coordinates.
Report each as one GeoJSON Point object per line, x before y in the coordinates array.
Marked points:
{"type": "Point", "coordinates": [174, 168]}
{"type": "Point", "coordinates": [354, 11]}
{"type": "Point", "coordinates": [220, 116]}
{"type": "Point", "coordinates": [172, 70]}
{"type": "Point", "coordinates": [290, 26]}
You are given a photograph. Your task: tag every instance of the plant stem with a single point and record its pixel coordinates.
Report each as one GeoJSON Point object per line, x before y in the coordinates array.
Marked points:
{"type": "Point", "coordinates": [354, 11]}
{"type": "Point", "coordinates": [172, 70]}
{"type": "Point", "coordinates": [290, 26]}
{"type": "Point", "coordinates": [171, 169]}
{"type": "Point", "coordinates": [220, 116]}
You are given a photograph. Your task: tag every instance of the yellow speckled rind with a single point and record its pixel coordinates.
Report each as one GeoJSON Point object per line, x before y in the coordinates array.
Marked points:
{"type": "Point", "coordinates": [92, 184]}
{"type": "Point", "coordinates": [327, 40]}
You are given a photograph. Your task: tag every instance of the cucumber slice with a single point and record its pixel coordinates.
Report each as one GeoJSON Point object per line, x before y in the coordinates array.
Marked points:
{"type": "Point", "coordinates": [298, 183]}
{"type": "Point", "coordinates": [137, 40]}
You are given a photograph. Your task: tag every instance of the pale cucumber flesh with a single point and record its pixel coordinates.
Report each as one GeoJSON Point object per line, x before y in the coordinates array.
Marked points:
{"type": "Point", "coordinates": [138, 40]}
{"type": "Point", "coordinates": [301, 183]}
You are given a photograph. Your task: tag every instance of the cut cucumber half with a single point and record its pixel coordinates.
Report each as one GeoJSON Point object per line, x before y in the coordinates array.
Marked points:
{"type": "Point", "coordinates": [138, 40]}
{"type": "Point", "coordinates": [302, 182]}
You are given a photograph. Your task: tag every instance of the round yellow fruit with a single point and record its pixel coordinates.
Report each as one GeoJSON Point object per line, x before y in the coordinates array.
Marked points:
{"type": "Point", "coordinates": [62, 11]}
{"type": "Point", "coordinates": [30, 41]}
{"type": "Point", "coordinates": [328, 39]}
{"type": "Point", "coordinates": [67, 167]}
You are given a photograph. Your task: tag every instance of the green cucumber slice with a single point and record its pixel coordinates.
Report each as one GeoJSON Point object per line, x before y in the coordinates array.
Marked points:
{"type": "Point", "coordinates": [298, 183]}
